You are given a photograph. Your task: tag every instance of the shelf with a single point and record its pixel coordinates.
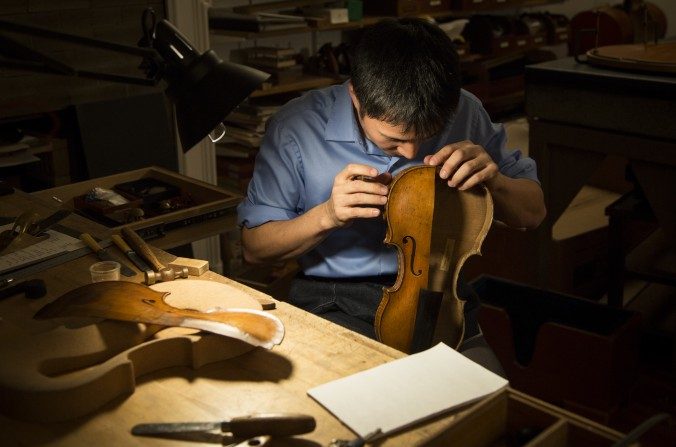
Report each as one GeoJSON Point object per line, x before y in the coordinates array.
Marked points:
{"type": "Point", "coordinates": [318, 25]}
{"type": "Point", "coordinates": [260, 7]}
{"type": "Point", "coordinates": [321, 25]}
{"type": "Point", "coordinates": [250, 35]}
{"type": "Point", "coordinates": [305, 83]}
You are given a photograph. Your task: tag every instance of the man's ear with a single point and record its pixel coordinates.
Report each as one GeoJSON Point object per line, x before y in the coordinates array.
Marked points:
{"type": "Point", "coordinates": [353, 95]}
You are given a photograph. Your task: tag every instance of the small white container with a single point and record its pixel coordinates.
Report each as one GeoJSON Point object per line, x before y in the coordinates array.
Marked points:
{"type": "Point", "coordinates": [105, 271]}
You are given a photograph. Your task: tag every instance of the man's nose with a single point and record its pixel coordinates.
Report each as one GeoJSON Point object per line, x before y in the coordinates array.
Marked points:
{"type": "Point", "coordinates": [408, 150]}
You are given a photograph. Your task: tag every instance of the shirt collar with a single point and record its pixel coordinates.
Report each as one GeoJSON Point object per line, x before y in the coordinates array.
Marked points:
{"type": "Point", "coordinates": [342, 124]}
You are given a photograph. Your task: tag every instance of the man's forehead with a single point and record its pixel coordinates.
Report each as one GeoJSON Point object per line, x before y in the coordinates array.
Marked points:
{"type": "Point", "coordinates": [390, 130]}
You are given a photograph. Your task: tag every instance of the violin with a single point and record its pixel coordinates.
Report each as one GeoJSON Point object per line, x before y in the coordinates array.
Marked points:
{"type": "Point", "coordinates": [435, 229]}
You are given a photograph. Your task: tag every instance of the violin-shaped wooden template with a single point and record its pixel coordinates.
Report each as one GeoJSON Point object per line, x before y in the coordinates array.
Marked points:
{"type": "Point", "coordinates": [127, 301]}
{"type": "Point", "coordinates": [435, 229]}
{"type": "Point", "coordinates": [56, 368]}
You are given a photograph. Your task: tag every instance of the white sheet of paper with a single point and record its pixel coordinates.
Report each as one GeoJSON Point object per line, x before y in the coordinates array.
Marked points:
{"type": "Point", "coordinates": [407, 390]}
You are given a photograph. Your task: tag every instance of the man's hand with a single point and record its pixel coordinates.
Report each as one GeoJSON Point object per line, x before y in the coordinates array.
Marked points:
{"type": "Point", "coordinates": [464, 164]}
{"type": "Point", "coordinates": [358, 192]}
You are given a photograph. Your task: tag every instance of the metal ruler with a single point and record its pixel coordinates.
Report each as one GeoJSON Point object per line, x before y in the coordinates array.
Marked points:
{"type": "Point", "coordinates": [46, 264]}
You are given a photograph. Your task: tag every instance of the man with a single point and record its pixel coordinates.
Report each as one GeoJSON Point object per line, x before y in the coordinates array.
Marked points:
{"type": "Point", "coordinates": [403, 106]}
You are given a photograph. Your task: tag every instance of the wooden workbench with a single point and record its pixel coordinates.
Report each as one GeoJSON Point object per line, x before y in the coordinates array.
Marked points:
{"type": "Point", "coordinates": [314, 351]}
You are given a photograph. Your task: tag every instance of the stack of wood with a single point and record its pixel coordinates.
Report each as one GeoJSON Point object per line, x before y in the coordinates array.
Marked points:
{"type": "Point", "coordinates": [282, 63]}
{"type": "Point", "coordinates": [236, 152]}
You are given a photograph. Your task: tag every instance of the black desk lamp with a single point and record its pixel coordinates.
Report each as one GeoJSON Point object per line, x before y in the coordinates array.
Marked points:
{"type": "Point", "coordinates": [203, 88]}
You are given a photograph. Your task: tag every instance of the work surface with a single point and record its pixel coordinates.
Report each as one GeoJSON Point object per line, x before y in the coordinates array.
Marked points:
{"type": "Point", "coordinates": [314, 351]}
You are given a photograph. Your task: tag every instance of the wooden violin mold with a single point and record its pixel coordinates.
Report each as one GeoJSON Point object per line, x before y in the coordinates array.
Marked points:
{"type": "Point", "coordinates": [63, 368]}
{"type": "Point", "coordinates": [435, 229]}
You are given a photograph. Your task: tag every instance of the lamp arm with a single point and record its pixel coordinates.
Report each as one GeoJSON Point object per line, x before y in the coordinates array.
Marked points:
{"type": "Point", "coordinates": [89, 41]}
{"type": "Point", "coordinates": [32, 60]}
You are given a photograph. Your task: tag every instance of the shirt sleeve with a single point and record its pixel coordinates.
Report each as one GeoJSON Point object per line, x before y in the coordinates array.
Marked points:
{"type": "Point", "coordinates": [275, 190]}
{"type": "Point", "coordinates": [493, 138]}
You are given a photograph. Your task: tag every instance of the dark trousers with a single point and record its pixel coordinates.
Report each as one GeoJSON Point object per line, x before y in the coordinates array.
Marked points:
{"type": "Point", "coordinates": [352, 303]}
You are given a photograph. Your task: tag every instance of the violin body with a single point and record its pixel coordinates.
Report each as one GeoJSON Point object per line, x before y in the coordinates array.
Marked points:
{"type": "Point", "coordinates": [435, 229]}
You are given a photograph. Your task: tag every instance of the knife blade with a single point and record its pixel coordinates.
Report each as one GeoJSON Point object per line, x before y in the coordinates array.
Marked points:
{"type": "Point", "coordinates": [131, 254]}
{"type": "Point", "coordinates": [45, 224]}
{"type": "Point", "coordinates": [103, 254]}
{"type": "Point", "coordinates": [274, 424]}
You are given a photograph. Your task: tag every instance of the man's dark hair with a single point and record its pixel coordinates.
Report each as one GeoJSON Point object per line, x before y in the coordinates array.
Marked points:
{"type": "Point", "coordinates": [406, 72]}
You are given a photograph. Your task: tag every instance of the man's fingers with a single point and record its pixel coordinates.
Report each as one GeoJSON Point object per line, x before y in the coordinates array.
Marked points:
{"type": "Point", "coordinates": [359, 186]}
{"type": "Point", "coordinates": [453, 162]}
{"type": "Point", "coordinates": [464, 171]}
{"type": "Point", "coordinates": [356, 170]}
{"type": "Point", "coordinates": [477, 178]}
{"type": "Point", "coordinates": [361, 199]}
{"type": "Point", "coordinates": [442, 154]}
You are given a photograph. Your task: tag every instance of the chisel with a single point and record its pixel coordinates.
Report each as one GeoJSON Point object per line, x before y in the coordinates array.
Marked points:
{"type": "Point", "coordinates": [276, 424]}
{"type": "Point", "coordinates": [104, 255]}
{"type": "Point", "coordinates": [141, 248]}
{"type": "Point", "coordinates": [131, 254]}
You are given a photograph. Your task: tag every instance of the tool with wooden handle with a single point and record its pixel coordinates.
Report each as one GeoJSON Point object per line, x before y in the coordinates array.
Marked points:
{"type": "Point", "coordinates": [131, 254]}
{"type": "Point", "coordinates": [104, 255]}
{"type": "Point", "coordinates": [141, 248]}
{"type": "Point", "coordinates": [276, 424]}
{"type": "Point", "coordinates": [156, 272]}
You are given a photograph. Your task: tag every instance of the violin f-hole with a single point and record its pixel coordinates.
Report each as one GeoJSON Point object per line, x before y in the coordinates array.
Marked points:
{"type": "Point", "coordinates": [405, 239]}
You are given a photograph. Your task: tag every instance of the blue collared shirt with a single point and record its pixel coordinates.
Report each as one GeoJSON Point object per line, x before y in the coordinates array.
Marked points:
{"type": "Point", "coordinates": [312, 138]}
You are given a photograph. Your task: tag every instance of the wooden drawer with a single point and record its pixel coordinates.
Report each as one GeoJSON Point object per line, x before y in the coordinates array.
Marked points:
{"type": "Point", "coordinates": [211, 209]}
{"type": "Point", "coordinates": [513, 418]}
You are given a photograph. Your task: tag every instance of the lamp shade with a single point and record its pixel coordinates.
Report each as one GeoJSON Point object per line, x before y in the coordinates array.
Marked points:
{"type": "Point", "coordinates": [203, 88]}
{"type": "Point", "coordinates": [201, 104]}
